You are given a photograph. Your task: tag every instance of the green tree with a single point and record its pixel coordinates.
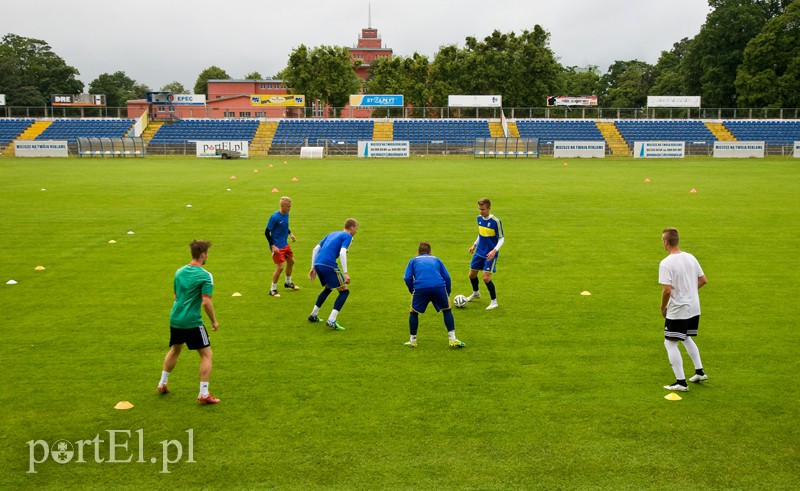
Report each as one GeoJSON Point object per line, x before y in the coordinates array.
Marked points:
{"type": "Point", "coordinates": [210, 73]}
{"type": "Point", "coordinates": [174, 87]}
{"type": "Point", "coordinates": [253, 76]}
{"type": "Point", "coordinates": [580, 81]}
{"type": "Point", "coordinates": [718, 49]}
{"type": "Point", "coordinates": [626, 84]}
{"type": "Point", "coordinates": [769, 75]}
{"type": "Point", "coordinates": [324, 73]}
{"type": "Point", "coordinates": [402, 75]}
{"type": "Point", "coordinates": [30, 72]}
{"type": "Point", "coordinates": [670, 73]}
{"type": "Point", "coordinates": [118, 88]}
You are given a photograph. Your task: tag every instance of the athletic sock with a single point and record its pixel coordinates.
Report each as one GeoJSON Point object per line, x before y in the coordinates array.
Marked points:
{"type": "Point", "coordinates": [412, 339]}
{"type": "Point", "coordinates": [314, 311]}
{"type": "Point", "coordinates": [341, 299]}
{"type": "Point", "coordinates": [492, 292]}
{"type": "Point", "coordinates": [323, 295]}
{"type": "Point", "coordinates": [203, 388]}
{"type": "Point", "coordinates": [288, 280]}
{"type": "Point", "coordinates": [675, 358]}
{"type": "Point", "coordinates": [693, 352]}
{"type": "Point", "coordinates": [449, 320]}
{"type": "Point", "coordinates": [413, 324]}
{"type": "Point", "coordinates": [164, 378]}
{"type": "Point", "coordinates": [334, 315]}
{"type": "Point", "coordinates": [274, 286]}
{"type": "Point", "coordinates": [452, 335]}
{"type": "Point", "coordinates": [474, 282]}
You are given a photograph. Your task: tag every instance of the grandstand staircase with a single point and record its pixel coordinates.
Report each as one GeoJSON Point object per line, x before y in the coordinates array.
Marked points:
{"type": "Point", "coordinates": [151, 130]}
{"type": "Point", "coordinates": [496, 129]}
{"type": "Point", "coordinates": [720, 131]}
{"type": "Point", "coordinates": [31, 133]}
{"type": "Point", "coordinates": [617, 144]}
{"type": "Point", "coordinates": [262, 140]}
{"type": "Point", "coordinates": [513, 130]}
{"type": "Point", "coordinates": [383, 131]}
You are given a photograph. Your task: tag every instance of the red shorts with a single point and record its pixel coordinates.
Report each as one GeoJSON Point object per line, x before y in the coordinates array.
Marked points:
{"type": "Point", "coordinates": [282, 255]}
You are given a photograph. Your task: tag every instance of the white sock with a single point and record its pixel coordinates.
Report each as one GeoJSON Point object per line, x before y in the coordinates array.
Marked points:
{"type": "Point", "coordinates": [452, 335]}
{"type": "Point", "coordinates": [315, 310]}
{"type": "Point", "coordinates": [413, 339]}
{"type": "Point", "coordinates": [334, 314]}
{"type": "Point", "coordinates": [203, 388]}
{"type": "Point", "coordinates": [164, 378]}
{"type": "Point", "coordinates": [274, 286]}
{"type": "Point", "coordinates": [675, 358]}
{"type": "Point", "coordinates": [493, 302]}
{"type": "Point", "coordinates": [288, 280]}
{"type": "Point", "coordinates": [693, 352]}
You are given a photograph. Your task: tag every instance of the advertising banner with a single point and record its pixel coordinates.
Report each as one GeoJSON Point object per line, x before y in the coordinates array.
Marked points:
{"type": "Point", "coordinates": [580, 149]}
{"type": "Point", "coordinates": [41, 148]}
{"type": "Point", "coordinates": [563, 100]}
{"type": "Point", "coordinates": [673, 101]}
{"type": "Point", "coordinates": [659, 150]}
{"type": "Point", "coordinates": [475, 101]}
{"type": "Point", "coordinates": [78, 100]}
{"type": "Point", "coordinates": [384, 149]}
{"type": "Point", "coordinates": [376, 100]}
{"type": "Point", "coordinates": [187, 99]}
{"type": "Point", "coordinates": [2, 99]}
{"type": "Point", "coordinates": [278, 100]}
{"type": "Point", "coordinates": [797, 150]}
{"type": "Point", "coordinates": [208, 148]}
{"type": "Point", "coordinates": [739, 150]}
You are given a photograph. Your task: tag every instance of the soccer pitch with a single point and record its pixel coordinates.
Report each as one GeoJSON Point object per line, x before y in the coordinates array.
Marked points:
{"type": "Point", "coordinates": [554, 390]}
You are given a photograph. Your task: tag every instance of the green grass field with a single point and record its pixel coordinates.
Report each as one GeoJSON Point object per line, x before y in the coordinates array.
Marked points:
{"type": "Point", "coordinates": [554, 390]}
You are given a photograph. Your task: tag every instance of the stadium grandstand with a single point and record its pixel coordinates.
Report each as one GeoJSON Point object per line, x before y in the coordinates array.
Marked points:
{"type": "Point", "coordinates": [11, 128]}
{"type": "Point", "coordinates": [72, 129]}
{"type": "Point", "coordinates": [550, 130]}
{"type": "Point", "coordinates": [690, 132]}
{"type": "Point", "coordinates": [770, 132]}
{"type": "Point", "coordinates": [443, 131]}
{"type": "Point", "coordinates": [318, 131]}
{"type": "Point", "coordinates": [187, 130]}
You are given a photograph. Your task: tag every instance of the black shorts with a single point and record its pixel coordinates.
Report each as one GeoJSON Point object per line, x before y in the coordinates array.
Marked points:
{"type": "Point", "coordinates": [195, 338]}
{"type": "Point", "coordinates": [680, 328]}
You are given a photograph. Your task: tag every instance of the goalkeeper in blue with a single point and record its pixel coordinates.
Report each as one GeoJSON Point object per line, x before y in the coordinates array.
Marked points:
{"type": "Point", "coordinates": [429, 282]}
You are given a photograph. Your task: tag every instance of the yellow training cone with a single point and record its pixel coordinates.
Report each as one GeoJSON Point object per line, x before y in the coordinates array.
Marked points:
{"type": "Point", "coordinates": [294, 179]}
{"type": "Point", "coordinates": [233, 177]}
{"type": "Point", "coordinates": [112, 241]}
{"type": "Point", "coordinates": [255, 171]}
{"type": "Point", "coordinates": [39, 268]}
{"type": "Point", "coordinates": [236, 294]}
{"type": "Point", "coordinates": [673, 397]}
{"type": "Point", "coordinates": [585, 293]}
{"type": "Point", "coordinates": [123, 405]}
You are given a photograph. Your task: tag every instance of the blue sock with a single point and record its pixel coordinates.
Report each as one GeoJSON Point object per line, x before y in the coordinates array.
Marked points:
{"type": "Point", "coordinates": [413, 323]}
{"type": "Point", "coordinates": [449, 320]}
{"type": "Point", "coordinates": [492, 293]}
{"type": "Point", "coordinates": [339, 303]}
{"type": "Point", "coordinates": [474, 282]}
{"type": "Point", "coordinates": [323, 296]}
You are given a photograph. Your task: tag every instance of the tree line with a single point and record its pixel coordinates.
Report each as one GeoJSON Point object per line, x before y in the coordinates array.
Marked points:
{"type": "Point", "coordinates": [747, 54]}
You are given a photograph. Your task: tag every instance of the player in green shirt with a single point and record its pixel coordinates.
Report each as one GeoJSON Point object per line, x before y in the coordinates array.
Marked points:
{"type": "Point", "coordinates": [193, 287]}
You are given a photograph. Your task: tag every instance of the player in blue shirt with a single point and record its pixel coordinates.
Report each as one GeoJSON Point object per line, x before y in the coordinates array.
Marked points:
{"type": "Point", "coordinates": [485, 249]}
{"type": "Point", "coordinates": [429, 282]}
{"type": "Point", "coordinates": [323, 259]}
{"type": "Point", "coordinates": [277, 234]}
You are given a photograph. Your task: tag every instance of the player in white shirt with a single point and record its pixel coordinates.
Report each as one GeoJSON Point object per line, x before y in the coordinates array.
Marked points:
{"type": "Point", "coordinates": [681, 278]}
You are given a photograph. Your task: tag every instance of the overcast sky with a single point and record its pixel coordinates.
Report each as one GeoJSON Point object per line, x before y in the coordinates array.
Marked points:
{"type": "Point", "coordinates": [157, 42]}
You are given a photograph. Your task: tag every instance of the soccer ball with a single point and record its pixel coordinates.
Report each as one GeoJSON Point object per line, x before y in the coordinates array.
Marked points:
{"type": "Point", "coordinates": [460, 301]}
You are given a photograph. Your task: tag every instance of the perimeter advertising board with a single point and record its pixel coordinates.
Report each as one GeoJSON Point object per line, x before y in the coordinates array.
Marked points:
{"type": "Point", "coordinates": [41, 148]}
{"type": "Point", "coordinates": [738, 150]}
{"type": "Point", "coordinates": [2, 99]}
{"type": "Point", "coordinates": [797, 150]}
{"type": "Point", "coordinates": [78, 100]}
{"type": "Point", "coordinates": [579, 149]}
{"type": "Point", "coordinates": [208, 148]}
{"type": "Point", "coordinates": [384, 149]}
{"type": "Point", "coordinates": [673, 101]}
{"type": "Point", "coordinates": [278, 100]}
{"type": "Point", "coordinates": [563, 100]}
{"type": "Point", "coordinates": [659, 150]}
{"type": "Point", "coordinates": [475, 101]}
{"type": "Point", "coordinates": [376, 100]}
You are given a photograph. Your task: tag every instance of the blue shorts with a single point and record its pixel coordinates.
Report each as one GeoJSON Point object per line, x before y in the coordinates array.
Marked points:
{"type": "Point", "coordinates": [437, 296]}
{"type": "Point", "coordinates": [329, 277]}
{"type": "Point", "coordinates": [479, 263]}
